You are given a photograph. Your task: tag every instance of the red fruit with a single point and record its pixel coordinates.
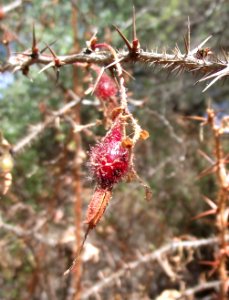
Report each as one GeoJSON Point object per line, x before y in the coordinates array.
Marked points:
{"type": "Point", "coordinates": [106, 88]}
{"type": "Point", "coordinates": [2, 13]}
{"type": "Point", "coordinates": [109, 160]}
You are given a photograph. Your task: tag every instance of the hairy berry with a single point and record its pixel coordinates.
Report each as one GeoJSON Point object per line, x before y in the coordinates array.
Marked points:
{"type": "Point", "coordinates": [106, 88]}
{"type": "Point", "coordinates": [109, 159]}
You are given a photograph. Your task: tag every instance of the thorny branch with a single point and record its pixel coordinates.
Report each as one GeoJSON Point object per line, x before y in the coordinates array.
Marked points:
{"type": "Point", "coordinates": [109, 280]}
{"type": "Point", "coordinates": [153, 256]}
{"type": "Point", "coordinates": [198, 59]}
{"type": "Point", "coordinates": [18, 231]}
{"type": "Point", "coordinates": [40, 127]}
{"type": "Point", "coordinates": [195, 60]}
{"type": "Point", "coordinates": [219, 206]}
{"type": "Point", "coordinates": [187, 62]}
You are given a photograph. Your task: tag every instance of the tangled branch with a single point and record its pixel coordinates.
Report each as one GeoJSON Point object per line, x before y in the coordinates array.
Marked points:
{"type": "Point", "coordinates": [153, 256]}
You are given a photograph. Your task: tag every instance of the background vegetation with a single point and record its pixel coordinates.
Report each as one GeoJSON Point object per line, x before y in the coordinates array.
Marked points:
{"type": "Point", "coordinates": [41, 200]}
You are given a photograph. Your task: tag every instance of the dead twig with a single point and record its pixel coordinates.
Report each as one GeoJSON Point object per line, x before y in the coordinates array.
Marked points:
{"type": "Point", "coordinates": [22, 233]}
{"type": "Point", "coordinates": [167, 124]}
{"type": "Point", "coordinates": [153, 256]}
{"type": "Point", "coordinates": [40, 127]}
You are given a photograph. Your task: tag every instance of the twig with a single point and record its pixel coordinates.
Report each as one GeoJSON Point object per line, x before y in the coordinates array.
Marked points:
{"type": "Point", "coordinates": [153, 256]}
{"type": "Point", "coordinates": [40, 127]}
{"type": "Point", "coordinates": [77, 162]}
{"type": "Point", "coordinates": [205, 64]}
{"type": "Point", "coordinates": [167, 124]}
{"type": "Point", "coordinates": [18, 231]}
{"type": "Point", "coordinates": [199, 288]}
{"type": "Point", "coordinates": [189, 63]}
{"type": "Point", "coordinates": [7, 8]}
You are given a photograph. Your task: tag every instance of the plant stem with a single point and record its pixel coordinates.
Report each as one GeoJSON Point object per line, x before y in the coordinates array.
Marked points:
{"type": "Point", "coordinates": [77, 167]}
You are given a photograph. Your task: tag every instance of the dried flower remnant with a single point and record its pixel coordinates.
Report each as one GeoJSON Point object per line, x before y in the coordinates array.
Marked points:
{"type": "Point", "coordinates": [97, 206]}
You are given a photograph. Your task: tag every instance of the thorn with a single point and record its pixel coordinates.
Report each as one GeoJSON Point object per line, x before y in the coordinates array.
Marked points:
{"type": "Point", "coordinates": [196, 118]}
{"type": "Point", "coordinates": [189, 36]}
{"type": "Point", "coordinates": [34, 43]}
{"type": "Point", "coordinates": [187, 39]}
{"type": "Point", "coordinates": [224, 55]}
{"type": "Point", "coordinates": [175, 69]}
{"type": "Point", "coordinates": [205, 41]}
{"type": "Point", "coordinates": [97, 80]}
{"type": "Point", "coordinates": [114, 63]}
{"type": "Point", "coordinates": [128, 74]}
{"type": "Point", "coordinates": [25, 72]}
{"type": "Point", "coordinates": [134, 47]}
{"type": "Point", "coordinates": [217, 75]}
{"type": "Point", "coordinates": [51, 64]}
{"type": "Point", "coordinates": [209, 106]}
{"type": "Point", "coordinates": [46, 47]}
{"type": "Point", "coordinates": [21, 53]}
{"type": "Point", "coordinates": [57, 75]}
{"type": "Point", "coordinates": [211, 83]}
{"type": "Point", "coordinates": [208, 263]}
{"type": "Point", "coordinates": [203, 78]}
{"type": "Point", "coordinates": [213, 264]}
{"type": "Point", "coordinates": [178, 50]}
{"type": "Point", "coordinates": [93, 40]}
{"type": "Point", "coordinates": [17, 68]}
{"type": "Point", "coordinates": [206, 157]}
{"type": "Point", "coordinates": [134, 34]}
{"type": "Point", "coordinates": [207, 171]}
{"type": "Point", "coordinates": [135, 41]}
{"type": "Point", "coordinates": [210, 203]}
{"type": "Point", "coordinates": [185, 45]}
{"type": "Point", "coordinates": [201, 45]}
{"type": "Point", "coordinates": [204, 214]}
{"type": "Point", "coordinates": [57, 63]}
{"type": "Point", "coordinates": [128, 44]}
{"type": "Point", "coordinates": [34, 49]}
{"type": "Point", "coordinates": [52, 51]}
